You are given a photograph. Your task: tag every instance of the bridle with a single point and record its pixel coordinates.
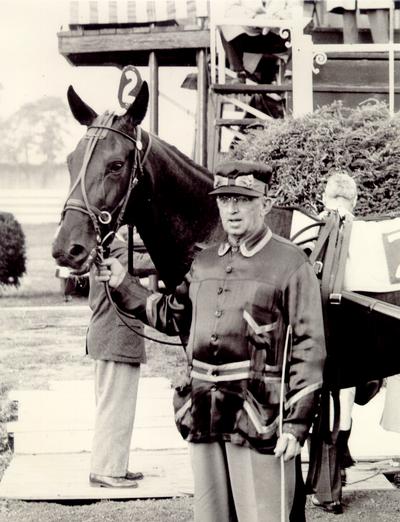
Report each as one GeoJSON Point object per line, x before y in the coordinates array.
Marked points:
{"type": "Point", "coordinates": [103, 217]}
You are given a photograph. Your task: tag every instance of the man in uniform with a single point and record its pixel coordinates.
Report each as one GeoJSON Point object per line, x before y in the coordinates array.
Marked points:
{"type": "Point", "coordinates": [251, 308]}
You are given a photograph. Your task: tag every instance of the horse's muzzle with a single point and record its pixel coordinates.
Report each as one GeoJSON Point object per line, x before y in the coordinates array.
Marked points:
{"type": "Point", "coordinates": [77, 258]}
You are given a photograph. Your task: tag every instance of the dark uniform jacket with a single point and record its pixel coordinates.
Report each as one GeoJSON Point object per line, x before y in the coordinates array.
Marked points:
{"type": "Point", "coordinates": [237, 305]}
{"type": "Point", "coordinates": [108, 338]}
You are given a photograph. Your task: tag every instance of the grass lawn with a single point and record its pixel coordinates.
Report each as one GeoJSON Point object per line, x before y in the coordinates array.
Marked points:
{"type": "Point", "coordinates": [39, 346]}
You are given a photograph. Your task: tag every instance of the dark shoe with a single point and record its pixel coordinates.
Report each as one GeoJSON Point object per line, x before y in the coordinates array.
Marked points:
{"type": "Point", "coordinates": [102, 481]}
{"type": "Point", "coordinates": [394, 478]}
{"type": "Point", "coordinates": [330, 507]}
{"type": "Point", "coordinates": [132, 475]}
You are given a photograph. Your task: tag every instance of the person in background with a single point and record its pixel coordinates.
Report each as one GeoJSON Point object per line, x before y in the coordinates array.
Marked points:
{"type": "Point", "coordinates": [251, 309]}
{"type": "Point", "coordinates": [340, 194]}
{"type": "Point", "coordinates": [378, 16]}
{"type": "Point", "coordinates": [253, 52]}
{"type": "Point", "coordinates": [118, 353]}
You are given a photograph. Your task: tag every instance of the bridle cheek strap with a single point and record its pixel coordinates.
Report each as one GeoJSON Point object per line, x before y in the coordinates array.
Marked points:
{"type": "Point", "coordinates": [104, 216]}
{"type": "Point", "coordinates": [84, 206]}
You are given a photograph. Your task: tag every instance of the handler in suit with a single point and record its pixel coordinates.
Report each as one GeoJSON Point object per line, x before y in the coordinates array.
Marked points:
{"type": "Point", "coordinates": [252, 308]}
{"type": "Point", "coordinates": [117, 352]}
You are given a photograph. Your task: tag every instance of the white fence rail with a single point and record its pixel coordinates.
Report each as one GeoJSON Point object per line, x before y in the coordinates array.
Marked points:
{"type": "Point", "coordinates": [33, 206]}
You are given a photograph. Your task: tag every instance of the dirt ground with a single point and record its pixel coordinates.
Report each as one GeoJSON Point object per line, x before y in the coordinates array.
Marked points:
{"type": "Point", "coordinates": [48, 344]}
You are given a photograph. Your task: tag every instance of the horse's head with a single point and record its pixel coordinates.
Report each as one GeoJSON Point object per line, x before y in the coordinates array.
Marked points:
{"type": "Point", "coordinates": [103, 170]}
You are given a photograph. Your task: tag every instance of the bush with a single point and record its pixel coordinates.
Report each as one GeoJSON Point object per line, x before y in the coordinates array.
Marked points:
{"type": "Point", "coordinates": [365, 140]}
{"type": "Point", "coordinates": [12, 250]}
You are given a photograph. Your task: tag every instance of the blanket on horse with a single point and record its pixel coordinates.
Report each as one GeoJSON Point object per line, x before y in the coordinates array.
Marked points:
{"type": "Point", "coordinates": [360, 325]}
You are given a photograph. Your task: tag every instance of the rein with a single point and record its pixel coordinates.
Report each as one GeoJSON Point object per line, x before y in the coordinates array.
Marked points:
{"type": "Point", "coordinates": [104, 217]}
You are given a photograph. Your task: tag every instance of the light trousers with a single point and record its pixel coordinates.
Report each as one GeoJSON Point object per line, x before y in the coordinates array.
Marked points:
{"type": "Point", "coordinates": [346, 397]}
{"type": "Point", "coordinates": [391, 411]}
{"type": "Point", "coordinates": [116, 386]}
{"type": "Point", "coordinates": [237, 484]}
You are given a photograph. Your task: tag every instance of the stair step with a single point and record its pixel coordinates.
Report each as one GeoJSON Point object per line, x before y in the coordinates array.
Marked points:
{"type": "Point", "coordinates": [64, 476]}
{"type": "Point", "coordinates": [76, 441]}
{"type": "Point", "coordinates": [61, 420]}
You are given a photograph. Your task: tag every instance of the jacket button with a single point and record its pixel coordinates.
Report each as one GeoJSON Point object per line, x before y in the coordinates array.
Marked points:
{"type": "Point", "coordinates": [220, 290]}
{"type": "Point", "coordinates": [214, 338]}
{"type": "Point", "coordinates": [218, 313]}
{"type": "Point", "coordinates": [228, 269]}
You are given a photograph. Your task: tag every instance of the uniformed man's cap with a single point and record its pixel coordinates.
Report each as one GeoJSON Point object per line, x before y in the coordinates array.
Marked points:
{"type": "Point", "coordinates": [242, 177]}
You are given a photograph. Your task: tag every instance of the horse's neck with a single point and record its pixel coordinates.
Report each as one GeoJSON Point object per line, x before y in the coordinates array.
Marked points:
{"type": "Point", "coordinates": [175, 211]}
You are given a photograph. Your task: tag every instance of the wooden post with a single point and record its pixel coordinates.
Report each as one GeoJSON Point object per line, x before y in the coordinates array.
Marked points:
{"type": "Point", "coordinates": [302, 56]}
{"type": "Point", "coordinates": [202, 85]}
{"type": "Point", "coordinates": [153, 67]}
{"type": "Point", "coordinates": [391, 61]}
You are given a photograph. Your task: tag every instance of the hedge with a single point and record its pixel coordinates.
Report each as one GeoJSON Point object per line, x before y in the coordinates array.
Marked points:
{"type": "Point", "coordinates": [12, 250]}
{"type": "Point", "coordinates": [301, 151]}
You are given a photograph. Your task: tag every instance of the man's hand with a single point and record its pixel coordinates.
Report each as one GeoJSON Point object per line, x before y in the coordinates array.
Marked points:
{"type": "Point", "coordinates": [112, 271]}
{"type": "Point", "coordinates": [288, 446]}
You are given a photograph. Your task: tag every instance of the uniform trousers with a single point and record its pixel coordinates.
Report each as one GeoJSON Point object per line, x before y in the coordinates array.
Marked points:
{"type": "Point", "coordinates": [116, 386]}
{"type": "Point", "coordinates": [391, 412]}
{"type": "Point", "coordinates": [237, 484]}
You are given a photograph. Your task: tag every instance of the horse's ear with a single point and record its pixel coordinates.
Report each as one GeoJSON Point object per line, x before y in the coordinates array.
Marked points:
{"type": "Point", "coordinates": [137, 111]}
{"type": "Point", "coordinates": [82, 112]}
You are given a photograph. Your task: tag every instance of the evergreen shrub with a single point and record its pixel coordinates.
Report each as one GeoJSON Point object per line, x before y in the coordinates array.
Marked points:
{"type": "Point", "coordinates": [12, 250]}
{"type": "Point", "coordinates": [365, 140]}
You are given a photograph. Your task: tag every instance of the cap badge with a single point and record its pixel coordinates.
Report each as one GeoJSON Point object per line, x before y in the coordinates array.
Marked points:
{"type": "Point", "coordinates": [240, 181]}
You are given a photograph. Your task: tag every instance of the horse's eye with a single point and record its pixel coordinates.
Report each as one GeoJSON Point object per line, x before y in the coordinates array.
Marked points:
{"type": "Point", "coordinates": [115, 167]}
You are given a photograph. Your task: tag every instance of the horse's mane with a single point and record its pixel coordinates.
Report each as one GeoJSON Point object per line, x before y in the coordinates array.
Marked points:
{"type": "Point", "coordinates": [172, 209]}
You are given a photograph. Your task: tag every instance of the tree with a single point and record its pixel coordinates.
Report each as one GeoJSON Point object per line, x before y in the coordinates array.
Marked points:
{"type": "Point", "coordinates": [36, 133]}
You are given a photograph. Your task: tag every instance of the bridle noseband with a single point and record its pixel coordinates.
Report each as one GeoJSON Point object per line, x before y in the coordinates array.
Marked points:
{"type": "Point", "coordinates": [103, 217]}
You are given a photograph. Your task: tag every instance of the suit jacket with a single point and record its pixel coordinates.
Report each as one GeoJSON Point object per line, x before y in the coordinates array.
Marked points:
{"type": "Point", "coordinates": [108, 338]}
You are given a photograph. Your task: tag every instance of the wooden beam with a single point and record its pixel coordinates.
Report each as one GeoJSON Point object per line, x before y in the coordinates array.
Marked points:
{"type": "Point", "coordinates": [242, 88]}
{"type": "Point", "coordinates": [202, 107]}
{"type": "Point", "coordinates": [130, 41]}
{"type": "Point", "coordinates": [368, 89]}
{"type": "Point", "coordinates": [242, 122]}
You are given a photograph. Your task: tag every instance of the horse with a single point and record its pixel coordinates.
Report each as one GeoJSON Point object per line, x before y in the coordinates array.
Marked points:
{"type": "Point", "coordinates": [169, 204]}
{"type": "Point", "coordinates": [122, 174]}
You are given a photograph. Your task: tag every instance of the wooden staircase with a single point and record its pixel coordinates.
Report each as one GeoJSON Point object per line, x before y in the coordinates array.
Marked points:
{"type": "Point", "coordinates": [348, 77]}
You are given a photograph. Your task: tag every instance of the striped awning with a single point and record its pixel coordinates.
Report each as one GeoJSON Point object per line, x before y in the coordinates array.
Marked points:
{"type": "Point", "coordinates": [88, 12]}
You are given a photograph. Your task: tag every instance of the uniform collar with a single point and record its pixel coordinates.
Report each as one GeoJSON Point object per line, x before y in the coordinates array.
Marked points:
{"type": "Point", "coordinates": [251, 246]}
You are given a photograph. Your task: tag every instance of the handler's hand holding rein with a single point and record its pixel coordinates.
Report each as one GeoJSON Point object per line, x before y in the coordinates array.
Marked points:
{"type": "Point", "coordinates": [288, 446]}
{"type": "Point", "coordinates": [111, 271]}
